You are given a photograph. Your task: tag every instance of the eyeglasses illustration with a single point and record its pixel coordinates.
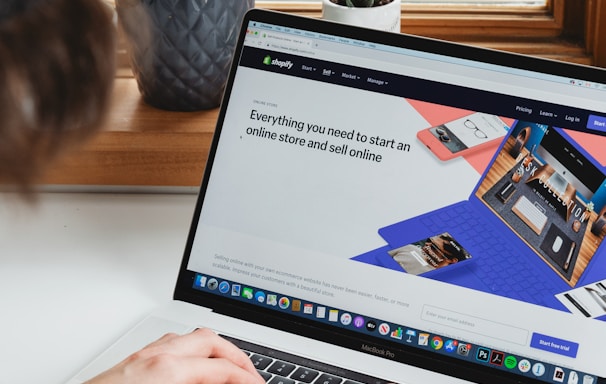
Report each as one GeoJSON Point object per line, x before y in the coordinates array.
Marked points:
{"type": "Point", "coordinates": [445, 138]}
{"type": "Point", "coordinates": [477, 131]}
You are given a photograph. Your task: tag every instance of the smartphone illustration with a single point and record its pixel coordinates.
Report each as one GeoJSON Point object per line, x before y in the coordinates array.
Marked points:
{"type": "Point", "coordinates": [427, 256]}
{"type": "Point", "coordinates": [474, 132]}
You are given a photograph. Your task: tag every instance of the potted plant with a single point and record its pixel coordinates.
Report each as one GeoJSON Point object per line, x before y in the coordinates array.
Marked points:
{"type": "Point", "coordinates": [180, 50]}
{"type": "Point", "coordinates": [377, 14]}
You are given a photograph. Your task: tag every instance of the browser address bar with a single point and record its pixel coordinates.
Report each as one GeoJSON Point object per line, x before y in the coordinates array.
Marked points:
{"type": "Point", "coordinates": [287, 42]}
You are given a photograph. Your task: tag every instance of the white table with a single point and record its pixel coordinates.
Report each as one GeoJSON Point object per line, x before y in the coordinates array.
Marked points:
{"type": "Point", "coordinates": [77, 270]}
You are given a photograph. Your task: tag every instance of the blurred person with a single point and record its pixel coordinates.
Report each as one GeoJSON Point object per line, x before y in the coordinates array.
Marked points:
{"type": "Point", "coordinates": [57, 64]}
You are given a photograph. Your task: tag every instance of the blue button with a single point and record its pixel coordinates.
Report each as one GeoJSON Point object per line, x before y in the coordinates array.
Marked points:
{"type": "Point", "coordinates": [597, 123]}
{"type": "Point", "coordinates": [554, 345]}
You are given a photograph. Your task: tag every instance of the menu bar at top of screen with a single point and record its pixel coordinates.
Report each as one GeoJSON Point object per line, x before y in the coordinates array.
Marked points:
{"type": "Point", "coordinates": [435, 92]}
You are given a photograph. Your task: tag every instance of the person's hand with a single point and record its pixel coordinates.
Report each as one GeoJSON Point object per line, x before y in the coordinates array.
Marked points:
{"type": "Point", "coordinates": [200, 357]}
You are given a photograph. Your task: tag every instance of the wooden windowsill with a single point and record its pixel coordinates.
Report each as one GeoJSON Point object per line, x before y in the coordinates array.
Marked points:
{"type": "Point", "coordinates": [140, 146]}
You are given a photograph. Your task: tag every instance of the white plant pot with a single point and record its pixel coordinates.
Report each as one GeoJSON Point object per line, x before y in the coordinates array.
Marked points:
{"type": "Point", "coordinates": [385, 17]}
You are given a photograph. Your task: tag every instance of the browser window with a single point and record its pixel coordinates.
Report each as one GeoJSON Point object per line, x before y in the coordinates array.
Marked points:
{"type": "Point", "coordinates": [322, 181]}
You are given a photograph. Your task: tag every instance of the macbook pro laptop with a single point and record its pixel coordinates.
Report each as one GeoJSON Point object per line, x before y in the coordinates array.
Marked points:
{"type": "Point", "coordinates": [381, 208]}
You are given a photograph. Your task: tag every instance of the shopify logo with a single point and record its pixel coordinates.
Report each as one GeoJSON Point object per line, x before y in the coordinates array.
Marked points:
{"type": "Point", "coordinates": [267, 60]}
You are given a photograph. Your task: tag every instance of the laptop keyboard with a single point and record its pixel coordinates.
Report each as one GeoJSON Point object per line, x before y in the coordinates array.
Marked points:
{"type": "Point", "coordinates": [500, 266]}
{"type": "Point", "coordinates": [530, 214]}
{"type": "Point", "coordinates": [278, 367]}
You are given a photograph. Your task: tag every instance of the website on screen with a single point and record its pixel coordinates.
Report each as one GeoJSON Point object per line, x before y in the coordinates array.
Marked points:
{"type": "Point", "coordinates": [329, 183]}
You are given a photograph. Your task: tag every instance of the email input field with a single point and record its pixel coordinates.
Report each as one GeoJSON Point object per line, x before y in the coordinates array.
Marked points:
{"type": "Point", "coordinates": [473, 324]}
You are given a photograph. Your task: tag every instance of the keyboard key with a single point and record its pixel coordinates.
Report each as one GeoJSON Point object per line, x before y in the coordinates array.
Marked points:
{"type": "Point", "coordinates": [305, 375]}
{"type": "Point", "coordinates": [281, 380]}
{"type": "Point", "coordinates": [281, 368]}
{"type": "Point", "coordinates": [265, 375]}
{"type": "Point", "coordinates": [328, 379]}
{"type": "Point", "coordinates": [260, 362]}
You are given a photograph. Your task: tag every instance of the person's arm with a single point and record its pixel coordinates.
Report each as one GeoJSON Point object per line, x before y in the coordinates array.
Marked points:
{"type": "Point", "coordinates": [200, 357]}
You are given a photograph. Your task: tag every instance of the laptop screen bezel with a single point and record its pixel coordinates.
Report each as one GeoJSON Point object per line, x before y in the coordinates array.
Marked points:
{"type": "Point", "coordinates": [184, 290]}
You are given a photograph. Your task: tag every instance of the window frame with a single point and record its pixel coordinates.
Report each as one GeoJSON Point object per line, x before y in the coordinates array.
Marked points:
{"type": "Point", "coordinates": [551, 31]}
{"type": "Point", "coordinates": [460, 21]}
{"type": "Point", "coordinates": [595, 31]}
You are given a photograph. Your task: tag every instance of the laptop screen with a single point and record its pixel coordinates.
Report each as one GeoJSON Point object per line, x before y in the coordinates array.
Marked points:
{"type": "Point", "coordinates": [413, 199]}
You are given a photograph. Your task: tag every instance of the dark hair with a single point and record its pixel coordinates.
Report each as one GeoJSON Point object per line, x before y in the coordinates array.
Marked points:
{"type": "Point", "coordinates": [57, 64]}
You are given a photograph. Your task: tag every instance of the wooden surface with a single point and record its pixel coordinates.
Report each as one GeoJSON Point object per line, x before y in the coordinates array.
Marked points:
{"type": "Point", "coordinates": [140, 146]}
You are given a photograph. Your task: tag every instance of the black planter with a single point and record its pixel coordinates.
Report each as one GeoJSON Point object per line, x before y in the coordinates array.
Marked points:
{"type": "Point", "coordinates": [180, 50]}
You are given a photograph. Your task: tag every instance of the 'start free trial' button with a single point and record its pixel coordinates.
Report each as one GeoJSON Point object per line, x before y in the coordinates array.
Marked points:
{"type": "Point", "coordinates": [555, 345]}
